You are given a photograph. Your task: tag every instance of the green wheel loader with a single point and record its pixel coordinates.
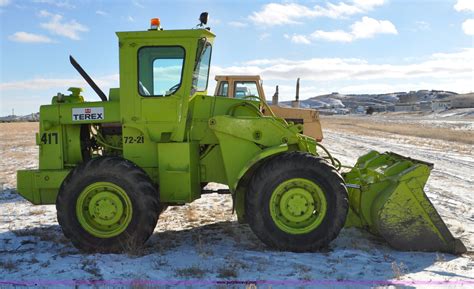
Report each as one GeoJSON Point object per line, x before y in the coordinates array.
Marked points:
{"type": "Point", "coordinates": [112, 166]}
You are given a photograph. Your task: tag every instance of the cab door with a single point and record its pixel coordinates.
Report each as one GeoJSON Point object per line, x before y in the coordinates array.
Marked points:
{"type": "Point", "coordinates": [155, 76]}
{"type": "Point", "coordinates": [160, 88]}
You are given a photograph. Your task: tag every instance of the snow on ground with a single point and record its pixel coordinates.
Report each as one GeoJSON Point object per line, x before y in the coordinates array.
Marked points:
{"type": "Point", "coordinates": [201, 244]}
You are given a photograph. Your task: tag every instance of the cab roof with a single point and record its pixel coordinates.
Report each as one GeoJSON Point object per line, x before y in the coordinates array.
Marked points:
{"type": "Point", "coordinates": [156, 34]}
{"type": "Point", "coordinates": [237, 77]}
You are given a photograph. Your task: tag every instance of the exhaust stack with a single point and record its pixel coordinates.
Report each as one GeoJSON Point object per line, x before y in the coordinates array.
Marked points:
{"type": "Point", "coordinates": [275, 97]}
{"type": "Point", "coordinates": [296, 102]}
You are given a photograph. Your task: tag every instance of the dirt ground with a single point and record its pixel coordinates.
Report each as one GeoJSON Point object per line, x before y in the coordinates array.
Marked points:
{"type": "Point", "coordinates": [203, 241]}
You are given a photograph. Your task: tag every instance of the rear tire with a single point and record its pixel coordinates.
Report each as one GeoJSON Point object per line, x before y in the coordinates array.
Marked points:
{"type": "Point", "coordinates": [296, 202]}
{"type": "Point", "coordinates": [107, 204]}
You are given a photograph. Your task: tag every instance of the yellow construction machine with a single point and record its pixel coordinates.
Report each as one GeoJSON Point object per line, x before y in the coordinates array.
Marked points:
{"type": "Point", "coordinates": [250, 86]}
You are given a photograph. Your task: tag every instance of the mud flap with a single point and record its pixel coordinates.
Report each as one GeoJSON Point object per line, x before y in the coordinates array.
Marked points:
{"type": "Point", "coordinates": [386, 197]}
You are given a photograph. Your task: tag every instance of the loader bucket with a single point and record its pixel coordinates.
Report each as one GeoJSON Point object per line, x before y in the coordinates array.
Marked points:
{"type": "Point", "coordinates": [386, 197]}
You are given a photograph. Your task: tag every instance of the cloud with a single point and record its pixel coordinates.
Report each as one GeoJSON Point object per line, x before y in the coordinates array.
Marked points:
{"type": "Point", "coordinates": [334, 36]}
{"type": "Point", "coordinates": [421, 26]}
{"type": "Point", "coordinates": [442, 71]}
{"type": "Point", "coordinates": [464, 5]}
{"type": "Point", "coordinates": [300, 39]}
{"type": "Point", "coordinates": [101, 13]}
{"type": "Point", "coordinates": [468, 27]}
{"type": "Point", "coordinates": [57, 3]}
{"type": "Point", "coordinates": [273, 14]}
{"type": "Point", "coordinates": [138, 4]}
{"type": "Point", "coordinates": [41, 84]}
{"type": "Point", "coordinates": [4, 3]}
{"type": "Point", "coordinates": [365, 28]}
{"type": "Point", "coordinates": [26, 37]}
{"type": "Point", "coordinates": [264, 36]}
{"type": "Point", "coordinates": [437, 66]}
{"type": "Point", "coordinates": [237, 24]}
{"type": "Point", "coordinates": [368, 27]}
{"type": "Point", "coordinates": [57, 26]}
{"type": "Point", "coordinates": [130, 19]}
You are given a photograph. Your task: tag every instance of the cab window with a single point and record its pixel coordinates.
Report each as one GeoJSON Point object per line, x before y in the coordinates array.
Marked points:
{"type": "Point", "coordinates": [244, 89]}
{"type": "Point", "coordinates": [223, 89]}
{"type": "Point", "coordinates": [202, 65]}
{"type": "Point", "coordinates": [160, 70]}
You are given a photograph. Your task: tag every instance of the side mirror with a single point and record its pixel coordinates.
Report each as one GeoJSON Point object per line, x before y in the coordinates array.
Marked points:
{"type": "Point", "coordinates": [203, 18]}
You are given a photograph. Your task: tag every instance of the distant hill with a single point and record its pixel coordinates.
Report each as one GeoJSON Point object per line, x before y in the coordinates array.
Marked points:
{"type": "Point", "coordinates": [16, 118]}
{"type": "Point", "coordinates": [351, 102]}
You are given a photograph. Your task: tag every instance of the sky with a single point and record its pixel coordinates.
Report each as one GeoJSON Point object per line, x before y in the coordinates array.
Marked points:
{"type": "Point", "coordinates": [345, 46]}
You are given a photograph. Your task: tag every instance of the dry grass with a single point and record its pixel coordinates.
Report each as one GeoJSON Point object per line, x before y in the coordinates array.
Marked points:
{"type": "Point", "coordinates": [231, 268]}
{"type": "Point", "coordinates": [38, 212]}
{"type": "Point", "coordinates": [373, 127]}
{"type": "Point", "coordinates": [228, 272]}
{"type": "Point", "coordinates": [8, 265]}
{"type": "Point", "coordinates": [301, 268]}
{"type": "Point", "coordinates": [202, 248]}
{"type": "Point", "coordinates": [398, 270]}
{"type": "Point", "coordinates": [191, 272]}
{"type": "Point", "coordinates": [18, 149]}
{"type": "Point", "coordinates": [130, 247]}
{"type": "Point", "coordinates": [19, 133]}
{"type": "Point", "coordinates": [44, 233]}
{"type": "Point", "coordinates": [90, 266]}
{"type": "Point", "coordinates": [440, 258]}
{"type": "Point", "coordinates": [191, 215]}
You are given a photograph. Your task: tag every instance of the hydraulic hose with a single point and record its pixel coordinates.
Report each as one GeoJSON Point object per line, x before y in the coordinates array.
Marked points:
{"type": "Point", "coordinates": [334, 161]}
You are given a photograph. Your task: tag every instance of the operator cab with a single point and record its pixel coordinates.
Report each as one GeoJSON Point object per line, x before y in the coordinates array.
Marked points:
{"type": "Point", "coordinates": [247, 87]}
{"type": "Point", "coordinates": [160, 72]}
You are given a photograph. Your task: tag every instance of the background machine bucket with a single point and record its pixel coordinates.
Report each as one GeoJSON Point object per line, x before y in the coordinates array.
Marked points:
{"type": "Point", "coordinates": [386, 197]}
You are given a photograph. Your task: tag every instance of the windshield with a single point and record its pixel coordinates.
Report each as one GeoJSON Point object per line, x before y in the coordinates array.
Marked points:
{"type": "Point", "coordinates": [160, 70]}
{"type": "Point", "coordinates": [244, 89]}
{"type": "Point", "coordinates": [201, 68]}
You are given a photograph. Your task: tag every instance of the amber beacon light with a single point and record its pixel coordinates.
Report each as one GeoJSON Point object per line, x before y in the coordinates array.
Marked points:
{"type": "Point", "coordinates": [154, 23]}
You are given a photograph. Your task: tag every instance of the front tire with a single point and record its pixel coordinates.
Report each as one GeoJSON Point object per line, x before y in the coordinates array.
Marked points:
{"type": "Point", "coordinates": [107, 204]}
{"type": "Point", "coordinates": [296, 202]}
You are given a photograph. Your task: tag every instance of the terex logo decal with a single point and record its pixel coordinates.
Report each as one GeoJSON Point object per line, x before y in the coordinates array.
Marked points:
{"type": "Point", "coordinates": [89, 113]}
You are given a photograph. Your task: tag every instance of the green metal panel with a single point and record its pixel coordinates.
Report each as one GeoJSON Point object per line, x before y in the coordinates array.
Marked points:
{"type": "Point", "coordinates": [236, 153]}
{"type": "Point", "coordinates": [212, 166]}
{"type": "Point", "coordinates": [50, 139]}
{"type": "Point", "coordinates": [40, 186]}
{"type": "Point", "coordinates": [72, 145]}
{"type": "Point", "coordinates": [138, 146]}
{"type": "Point", "coordinates": [179, 178]}
{"type": "Point", "coordinates": [265, 131]}
{"type": "Point", "coordinates": [114, 94]}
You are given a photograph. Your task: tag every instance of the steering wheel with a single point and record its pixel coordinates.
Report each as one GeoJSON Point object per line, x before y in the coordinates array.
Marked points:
{"type": "Point", "coordinates": [251, 97]}
{"type": "Point", "coordinates": [173, 89]}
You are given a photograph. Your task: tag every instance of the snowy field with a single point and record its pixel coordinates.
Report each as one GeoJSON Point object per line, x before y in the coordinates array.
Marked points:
{"type": "Point", "coordinates": [202, 245]}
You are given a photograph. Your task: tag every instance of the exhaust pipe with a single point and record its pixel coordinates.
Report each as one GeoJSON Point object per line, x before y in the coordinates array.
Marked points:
{"type": "Point", "coordinates": [275, 97]}
{"type": "Point", "coordinates": [296, 102]}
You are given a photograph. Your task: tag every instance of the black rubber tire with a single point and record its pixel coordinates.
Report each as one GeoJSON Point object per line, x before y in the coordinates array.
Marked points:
{"type": "Point", "coordinates": [284, 167]}
{"type": "Point", "coordinates": [137, 185]}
